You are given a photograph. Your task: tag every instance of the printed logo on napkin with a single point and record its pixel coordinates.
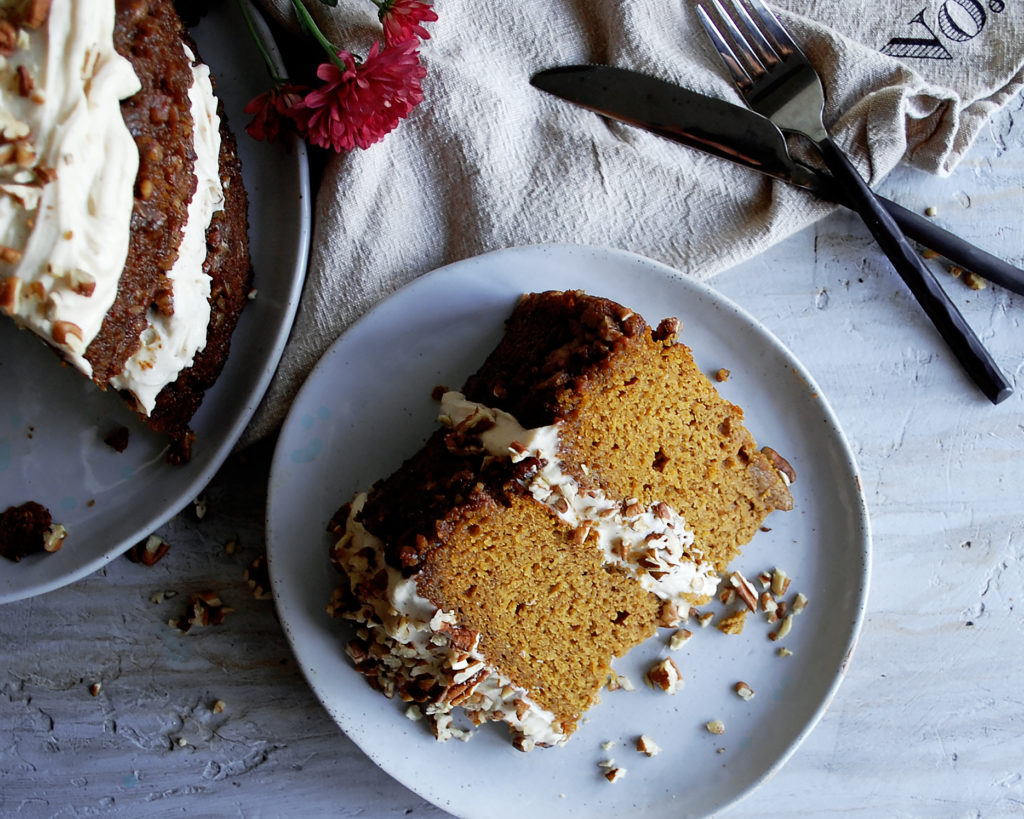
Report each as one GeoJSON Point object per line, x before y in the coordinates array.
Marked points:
{"type": "Point", "coordinates": [965, 59]}
{"type": "Point", "coordinates": [973, 47]}
{"type": "Point", "coordinates": [938, 33]}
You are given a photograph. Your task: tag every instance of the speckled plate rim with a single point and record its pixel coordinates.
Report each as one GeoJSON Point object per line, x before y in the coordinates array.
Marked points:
{"type": "Point", "coordinates": [149, 491]}
{"type": "Point", "coordinates": [332, 443]}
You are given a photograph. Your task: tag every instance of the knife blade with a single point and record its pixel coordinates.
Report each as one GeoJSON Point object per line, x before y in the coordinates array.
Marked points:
{"type": "Point", "coordinates": [736, 133]}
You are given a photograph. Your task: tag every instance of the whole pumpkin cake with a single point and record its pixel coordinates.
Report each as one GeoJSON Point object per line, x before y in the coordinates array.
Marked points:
{"type": "Point", "coordinates": [123, 217]}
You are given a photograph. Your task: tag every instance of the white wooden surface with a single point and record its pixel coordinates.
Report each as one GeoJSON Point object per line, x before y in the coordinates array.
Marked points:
{"type": "Point", "coordinates": [929, 721]}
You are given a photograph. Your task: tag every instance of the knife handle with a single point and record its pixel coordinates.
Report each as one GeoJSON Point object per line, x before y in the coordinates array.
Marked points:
{"type": "Point", "coordinates": [926, 232]}
{"type": "Point", "coordinates": [955, 330]}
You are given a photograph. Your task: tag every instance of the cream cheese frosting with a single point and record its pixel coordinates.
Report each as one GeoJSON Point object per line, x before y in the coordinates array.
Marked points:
{"type": "Point", "coordinates": [65, 208]}
{"type": "Point", "coordinates": [169, 343]}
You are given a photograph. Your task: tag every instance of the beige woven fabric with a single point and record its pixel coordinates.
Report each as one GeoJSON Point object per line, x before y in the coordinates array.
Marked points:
{"type": "Point", "coordinates": [487, 161]}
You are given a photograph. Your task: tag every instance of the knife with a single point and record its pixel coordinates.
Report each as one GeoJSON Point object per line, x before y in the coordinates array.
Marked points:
{"type": "Point", "coordinates": [742, 136]}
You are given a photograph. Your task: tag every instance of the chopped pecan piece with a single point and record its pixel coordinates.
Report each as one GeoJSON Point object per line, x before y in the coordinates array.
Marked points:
{"type": "Point", "coordinates": [668, 614]}
{"type": "Point", "coordinates": [665, 675]}
{"type": "Point", "coordinates": [784, 627]}
{"type": "Point", "coordinates": [646, 745]}
{"type": "Point", "coordinates": [668, 329]}
{"type": "Point", "coordinates": [206, 609]}
{"type": "Point", "coordinates": [25, 81]}
{"type": "Point", "coordinates": [745, 590]}
{"type": "Point", "coordinates": [257, 577]}
{"type": "Point", "coordinates": [149, 551]}
{"type": "Point", "coordinates": [10, 290]}
{"type": "Point", "coordinates": [32, 13]}
{"type": "Point", "coordinates": [8, 38]}
{"type": "Point", "coordinates": [780, 582]}
{"type": "Point", "coordinates": [64, 331]}
{"type": "Point", "coordinates": [679, 639]}
{"type": "Point", "coordinates": [780, 463]}
{"type": "Point", "coordinates": [464, 639]}
{"type": "Point", "coordinates": [743, 690]}
{"type": "Point", "coordinates": [457, 693]}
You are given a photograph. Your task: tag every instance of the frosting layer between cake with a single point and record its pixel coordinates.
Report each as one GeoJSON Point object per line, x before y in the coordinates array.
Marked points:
{"type": "Point", "coordinates": [170, 342]}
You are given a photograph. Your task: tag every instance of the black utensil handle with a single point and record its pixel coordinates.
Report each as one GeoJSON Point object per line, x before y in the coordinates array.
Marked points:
{"type": "Point", "coordinates": [926, 232]}
{"type": "Point", "coordinates": [955, 330]}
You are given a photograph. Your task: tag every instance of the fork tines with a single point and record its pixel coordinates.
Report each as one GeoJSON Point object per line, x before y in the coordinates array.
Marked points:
{"type": "Point", "coordinates": [754, 51]}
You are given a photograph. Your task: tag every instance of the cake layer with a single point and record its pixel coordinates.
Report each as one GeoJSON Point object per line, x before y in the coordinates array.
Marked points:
{"type": "Point", "coordinates": [646, 424]}
{"type": "Point", "coordinates": [149, 34]}
{"type": "Point", "coordinates": [553, 617]}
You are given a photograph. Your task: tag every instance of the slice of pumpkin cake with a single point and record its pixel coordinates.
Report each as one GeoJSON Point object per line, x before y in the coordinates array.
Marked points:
{"type": "Point", "coordinates": [587, 485]}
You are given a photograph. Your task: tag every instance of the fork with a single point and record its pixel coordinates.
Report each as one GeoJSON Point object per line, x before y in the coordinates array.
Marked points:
{"type": "Point", "coordinates": [775, 78]}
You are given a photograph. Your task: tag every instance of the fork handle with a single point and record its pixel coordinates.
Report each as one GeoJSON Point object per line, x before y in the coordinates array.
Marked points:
{"type": "Point", "coordinates": [948, 320]}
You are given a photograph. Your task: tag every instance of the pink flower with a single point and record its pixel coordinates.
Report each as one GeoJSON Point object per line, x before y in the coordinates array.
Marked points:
{"type": "Point", "coordinates": [402, 19]}
{"type": "Point", "coordinates": [273, 109]}
{"type": "Point", "coordinates": [360, 103]}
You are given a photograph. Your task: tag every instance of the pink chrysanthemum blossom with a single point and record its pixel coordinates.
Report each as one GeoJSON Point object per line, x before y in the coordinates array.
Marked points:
{"type": "Point", "coordinates": [403, 19]}
{"type": "Point", "coordinates": [272, 110]}
{"type": "Point", "coordinates": [360, 103]}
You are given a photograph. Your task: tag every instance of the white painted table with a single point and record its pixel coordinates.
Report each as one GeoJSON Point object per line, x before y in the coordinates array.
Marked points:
{"type": "Point", "coordinates": [929, 721]}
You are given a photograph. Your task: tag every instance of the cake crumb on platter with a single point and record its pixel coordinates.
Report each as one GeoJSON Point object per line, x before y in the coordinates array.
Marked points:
{"type": "Point", "coordinates": [733, 623]}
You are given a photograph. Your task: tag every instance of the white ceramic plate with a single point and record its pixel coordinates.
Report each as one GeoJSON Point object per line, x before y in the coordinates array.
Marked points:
{"type": "Point", "coordinates": [52, 421]}
{"type": "Point", "coordinates": [367, 405]}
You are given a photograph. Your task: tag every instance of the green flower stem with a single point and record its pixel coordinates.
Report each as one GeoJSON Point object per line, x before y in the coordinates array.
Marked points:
{"type": "Point", "coordinates": [308, 23]}
{"type": "Point", "coordinates": [271, 70]}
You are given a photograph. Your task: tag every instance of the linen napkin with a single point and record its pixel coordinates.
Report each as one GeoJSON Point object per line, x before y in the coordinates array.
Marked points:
{"type": "Point", "coordinates": [486, 161]}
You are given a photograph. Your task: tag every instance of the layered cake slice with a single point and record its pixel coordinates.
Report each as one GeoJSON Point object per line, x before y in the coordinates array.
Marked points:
{"type": "Point", "coordinates": [587, 485]}
{"type": "Point", "coordinates": [123, 217]}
